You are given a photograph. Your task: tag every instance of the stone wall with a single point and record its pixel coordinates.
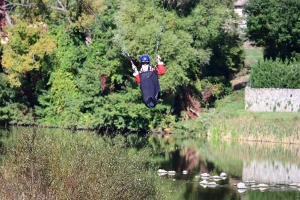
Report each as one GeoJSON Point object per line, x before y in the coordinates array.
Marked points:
{"type": "Point", "coordinates": [272, 100]}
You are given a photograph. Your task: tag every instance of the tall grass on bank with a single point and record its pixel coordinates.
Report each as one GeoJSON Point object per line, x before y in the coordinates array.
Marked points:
{"type": "Point", "coordinates": [231, 121]}
{"type": "Point", "coordinates": [59, 164]}
{"type": "Point", "coordinates": [267, 130]}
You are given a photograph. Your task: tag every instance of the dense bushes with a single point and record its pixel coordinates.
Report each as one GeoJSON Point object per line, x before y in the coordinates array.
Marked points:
{"type": "Point", "coordinates": [275, 74]}
{"type": "Point", "coordinates": [58, 164]}
{"type": "Point", "coordinates": [64, 81]}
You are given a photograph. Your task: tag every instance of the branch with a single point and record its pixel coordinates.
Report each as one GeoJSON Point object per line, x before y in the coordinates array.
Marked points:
{"type": "Point", "coordinates": [195, 112]}
{"type": "Point", "coordinates": [7, 17]}
{"type": "Point", "coordinates": [63, 7]}
{"type": "Point", "coordinates": [28, 5]}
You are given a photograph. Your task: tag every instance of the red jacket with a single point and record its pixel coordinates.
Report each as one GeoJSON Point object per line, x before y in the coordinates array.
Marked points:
{"type": "Point", "coordinates": [160, 71]}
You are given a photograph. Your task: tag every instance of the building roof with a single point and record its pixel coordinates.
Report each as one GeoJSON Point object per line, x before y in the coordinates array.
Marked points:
{"type": "Point", "coordinates": [240, 2]}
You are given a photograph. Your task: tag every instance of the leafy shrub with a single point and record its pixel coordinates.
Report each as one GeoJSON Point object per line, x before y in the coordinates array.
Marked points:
{"type": "Point", "coordinates": [275, 74]}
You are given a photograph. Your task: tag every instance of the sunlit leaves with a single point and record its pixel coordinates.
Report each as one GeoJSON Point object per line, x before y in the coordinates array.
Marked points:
{"type": "Point", "coordinates": [28, 45]}
{"type": "Point", "coordinates": [90, 85]}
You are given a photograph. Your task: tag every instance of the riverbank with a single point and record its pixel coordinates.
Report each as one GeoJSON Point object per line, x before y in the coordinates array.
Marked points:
{"type": "Point", "coordinates": [231, 121]}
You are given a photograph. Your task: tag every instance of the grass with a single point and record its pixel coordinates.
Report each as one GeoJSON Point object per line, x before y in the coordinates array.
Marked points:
{"type": "Point", "coordinates": [232, 121]}
{"type": "Point", "coordinates": [252, 55]}
{"type": "Point", "coordinates": [59, 164]}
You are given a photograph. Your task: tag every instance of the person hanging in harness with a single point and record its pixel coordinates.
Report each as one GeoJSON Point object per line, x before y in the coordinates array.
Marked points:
{"type": "Point", "coordinates": [148, 79]}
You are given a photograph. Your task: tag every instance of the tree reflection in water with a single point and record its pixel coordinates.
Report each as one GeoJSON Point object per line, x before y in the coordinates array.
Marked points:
{"type": "Point", "coordinates": [237, 160]}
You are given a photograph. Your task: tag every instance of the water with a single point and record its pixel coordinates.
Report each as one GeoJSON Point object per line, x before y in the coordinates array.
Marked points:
{"type": "Point", "coordinates": [275, 165]}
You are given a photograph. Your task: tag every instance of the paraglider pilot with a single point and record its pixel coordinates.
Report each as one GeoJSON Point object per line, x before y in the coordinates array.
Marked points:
{"type": "Point", "coordinates": [148, 79]}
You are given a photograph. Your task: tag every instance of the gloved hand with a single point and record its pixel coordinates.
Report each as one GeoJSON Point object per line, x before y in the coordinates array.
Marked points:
{"type": "Point", "coordinates": [158, 58]}
{"type": "Point", "coordinates": [133, 66]}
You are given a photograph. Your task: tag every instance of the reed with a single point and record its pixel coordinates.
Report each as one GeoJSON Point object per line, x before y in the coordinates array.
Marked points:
{"type": "Point", "coordinates": [253, 129]}
{"type": "Point", "coordinates": [59, 164]}
{"type": "Point", "coordinates": [231, 121]}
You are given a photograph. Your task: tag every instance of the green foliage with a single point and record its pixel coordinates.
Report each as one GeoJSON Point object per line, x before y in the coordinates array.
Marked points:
{"type": "Point", "coordinates": [61, 164]}
{"type": "Point", "coordinates": [28, 46]}
{"type": "Point", "coordinates": [91, 85]}
{"type": "Point", "coordinates": [275, 74]}
{"type": "Point", "coordinates": [275, 26]}
{"type": "Point", "coordinates": [215, 32]}
{"type": "Point", "coordinates": [12, 107]}
{"type": "Point", "coordinates": [7, 95]}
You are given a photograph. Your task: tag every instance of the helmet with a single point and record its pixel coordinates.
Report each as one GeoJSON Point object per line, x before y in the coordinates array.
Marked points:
{"type": "Point", "coordinates": [145, 58]}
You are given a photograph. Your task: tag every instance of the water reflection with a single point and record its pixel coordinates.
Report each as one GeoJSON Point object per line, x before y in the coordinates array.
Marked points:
{"type": "Point", "coordinates": [269, 171]}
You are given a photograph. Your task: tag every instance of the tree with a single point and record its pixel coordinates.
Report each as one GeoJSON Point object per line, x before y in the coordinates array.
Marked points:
{"type": "Point", "coordinates": [275, 26]}
{"type": "Point", "coordinates": [91, 86]}
{"type": "Point", "coordinates": [28, 46]}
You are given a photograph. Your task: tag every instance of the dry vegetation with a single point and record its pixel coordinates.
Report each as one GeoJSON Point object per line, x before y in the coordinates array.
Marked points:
{"type": "Point", "coordinates": [56, 164]}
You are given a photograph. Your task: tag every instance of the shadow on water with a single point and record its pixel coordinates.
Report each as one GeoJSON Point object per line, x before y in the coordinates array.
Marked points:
{"type": "Point", "coordinates": [269, 171]}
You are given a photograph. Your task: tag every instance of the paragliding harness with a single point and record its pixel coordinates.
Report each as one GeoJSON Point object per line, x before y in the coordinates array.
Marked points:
{"type": "Point", "coordinates": [150, 87]}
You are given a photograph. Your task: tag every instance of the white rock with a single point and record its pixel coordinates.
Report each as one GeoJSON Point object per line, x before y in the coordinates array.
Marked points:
{"type": "Point", "coordinates": [293, 185]}
{"type": "Point", "coordinates": [262, 185]}
{"type": "Point", "coordinates": [212, 183]}
{"type": "Point", "coordinates": [242, 190]}
{"type": "Point", "coordinates": [223, 174]}
{"type": "Point", "coordinates": [241, 186]}
{"type": "Point", "coordinates": [262, 188]}
{"type": "Point", "coordinates": [171, 173]}
{"type": "Point", "coordinates": [212, 186]}
{"type": "Point", "coordinates": [250, 181]}
{"type": "Point", "coordinates": [204, 182]}
{"type": "Point", "coordinates": [161, 172]}
{"type": "Point", "coordinates": [205, 175]}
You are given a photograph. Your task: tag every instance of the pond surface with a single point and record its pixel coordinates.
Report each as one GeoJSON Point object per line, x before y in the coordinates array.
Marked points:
{"type": "Point", "coordinates": [254, 171]}
{"type": "Point", "coordinates": [277, 166]}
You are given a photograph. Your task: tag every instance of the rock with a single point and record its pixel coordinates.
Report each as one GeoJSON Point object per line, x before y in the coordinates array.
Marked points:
{"type": "Point", "coordinates": [241, 186]}
{"type": "Point", "coordinates": [171, 173]}
{"type": "Point", "coordinates": [161, 172]}
{"type": "Point", "coordinates": [223, 174]}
